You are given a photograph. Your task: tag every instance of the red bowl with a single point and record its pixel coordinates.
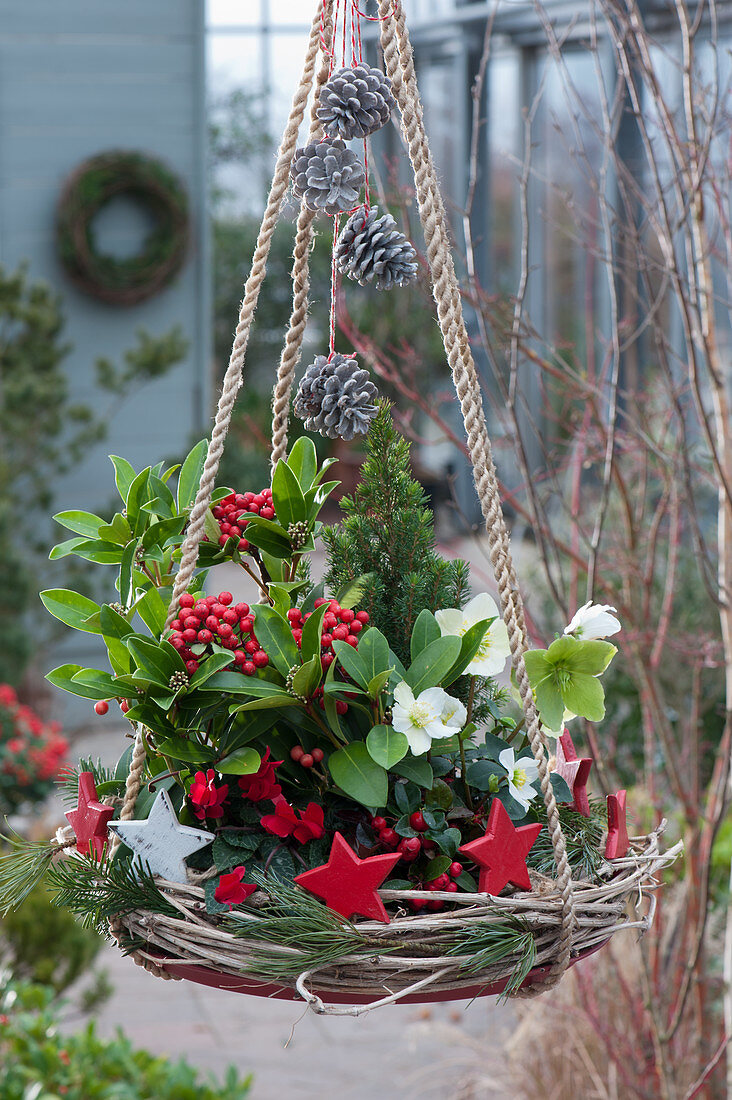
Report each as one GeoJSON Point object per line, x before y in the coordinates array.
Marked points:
{"type": "Point", "coordinates": [202, 975]}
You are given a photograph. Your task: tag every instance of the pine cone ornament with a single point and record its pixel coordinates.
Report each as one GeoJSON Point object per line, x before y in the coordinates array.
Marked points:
{"type": "Point", "coordinates": [328, 176]}
{"type": "Point", "coordinates": [356, 102]}
{"type": "Point", "coordinates": [336, 398]}
{"type": "Point", "coordinates": [372, 250]}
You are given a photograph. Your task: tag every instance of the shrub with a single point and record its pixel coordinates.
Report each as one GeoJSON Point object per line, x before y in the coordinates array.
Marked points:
{"type": "Point", "coordinates": [32, 754]}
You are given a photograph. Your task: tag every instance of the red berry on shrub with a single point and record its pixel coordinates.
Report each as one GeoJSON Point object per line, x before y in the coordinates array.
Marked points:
{"type": "Point", "coordinates": [218, 609]}
{"type": "Point", "coordinates": [341, 706]}
{"type": "Point", "coordinates": [451, 887]}
{"type": "Point", "coordinates": [440, 882]}
{"type": "Point", "coordinates": [260, 659]}
{"type": "Point", "coordinates": [230, 617]}
{"type": "Point", "coordinates": [347, 616]}
{"type": "Point", "coordinates": [320, 601]}
{"type": "Point", "coordinates": [201, 609]}
{"type": "Point", "coordinates": [223, 539]}
{"type": "Point", "coordinates": [352, 640]}
{"type": "Point", "coordinates": [455, 869]}
{"type": "Point", "coordinates": [192, 622]}
{"type": "Point", "coordinates": [378, 823]}
{"type": "Point", "coordinates": [418, 903]}
{"type": "Point", "coordinates": [247, 624]}
{"type": "Point", "coordinates": [251, 647]}
{"type": "Point", "coordinates": [267, 512]}
{"type": "Point", "coordinates": [335, 607]}
{"type": "Point", "coordinates": [306, 760]}
{"type": "Point", "coordinates": [389, 837]}
{"type": "Point", "coordinates": [124, 705]}
{"type": "Point", "coordinates": [340, 633]}
{"type": "Point", "coordinates": [239, 656]}
{"type": "Point", "coordinates": [186, 600]}
{"type": "Point", "coordinates": [355, 627]}
{"type": "Point", "coordinates": [317, 755]}
{"type": "Point", "coordinates": [417, 821]}
{"type": "Point", "coordinates": [205, 636]}
{"type": "Point", "coordinates": [410, 848]}
{"type": "Point", "coordinates": [296, 752]}
{"type": "Point", "coordinates": [363, 616]}
{"type": "Point", "coordinates": [327, 659]}
{"type": "Point", "coordinates": [297, 635]}
{"type": "Point", "coordinates": [248, 668]}
{"type": "Point", "coordinates": [189, 635]}
{"type": "Point", "coordinates": [435, 905]}
{"type": "Point", "coordinates": [242, 609]}
{"type": "Point", "coordinates": [329, 621]}
{"type": "Point", "coordinates": [226, 598]}
{"type": "Point", "coordinates": [176, 625]}
{"type": "Point", "coordinates": [191, 666]}
{"type": "Point", "coordinates": [326, 640]}
{"type": "Point", "coordinates": [101, 707]}
{"type": "Point", "coordinates": [177, 641]}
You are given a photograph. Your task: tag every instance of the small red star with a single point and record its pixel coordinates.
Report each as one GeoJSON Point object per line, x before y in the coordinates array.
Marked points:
{"type": "Point", "coordinates": [617, 827]}
{"type": "Point", "coordinates": [89, 819]}
{"type": "Point", "coordinates": [575, 771]}
{"type": "Point", "coordinates": [501, 853]}
{"type": "Point", "coordinates": [348, 884]}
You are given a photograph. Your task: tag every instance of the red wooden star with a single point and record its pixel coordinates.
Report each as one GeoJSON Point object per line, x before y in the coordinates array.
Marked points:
{"type": "Point", "coordinates": [89, 819]}
{"type": "Point", "coordinates": [501, 853]}
{"type": "Point", "coordinates": [617, 827]}
{"type": "Point", "coordinates": [348, 884]}
{"type": "Point", "coordinates": [575, 771]}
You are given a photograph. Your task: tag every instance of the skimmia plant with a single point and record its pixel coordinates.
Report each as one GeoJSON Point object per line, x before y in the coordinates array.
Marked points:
{"type": "Point", "coordinates": [276, 724]}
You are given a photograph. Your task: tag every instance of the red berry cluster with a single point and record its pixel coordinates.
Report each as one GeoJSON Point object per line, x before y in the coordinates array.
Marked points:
{"type": "Point", "coordinates": [339, 624]}
{"type": "Point", "coordinates": [306, 759]}
{"type": "Point", "coordinates": [232, 513]}
{"type": "Point", "coordinates": [205, 619]}
{"type": "Point", "coordinates": [410, 848]}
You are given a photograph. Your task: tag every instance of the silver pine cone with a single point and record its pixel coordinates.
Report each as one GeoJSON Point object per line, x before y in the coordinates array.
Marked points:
{"type": "Point", "coordinates": [372, 250]}
{"type": "Point", "coordinates": [327, 176]}
{"type": "Point", "coordinates": [336, 398]}
{"type": "Point", "coordinates": [356, 102]}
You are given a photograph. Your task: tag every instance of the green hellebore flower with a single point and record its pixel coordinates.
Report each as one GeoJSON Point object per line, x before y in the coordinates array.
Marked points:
{"type": "Point", "coordinates": [564, 676]}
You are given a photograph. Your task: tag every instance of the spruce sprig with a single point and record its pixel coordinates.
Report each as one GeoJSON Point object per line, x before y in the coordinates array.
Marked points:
{"type": "Point", "coordinates": [489, 943]}
{"type": "Point", "coordinates": [99, 889]}
{"type": "Point", "coordinates": [21, 869]}
{"type": "Point", "coordinates": [293, 919]}
{"type": "Point", "coordinates": [582, 836]}
{"type": "Point", "coordinates": [388, 533]}
{"type": "Point", "coordinates": [69, 780]}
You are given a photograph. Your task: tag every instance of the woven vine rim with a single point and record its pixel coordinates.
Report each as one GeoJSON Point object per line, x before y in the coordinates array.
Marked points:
{"type": "Point", "coordinates": [198, 938]}
{"type": "Point", "coordinates": [88, 189]}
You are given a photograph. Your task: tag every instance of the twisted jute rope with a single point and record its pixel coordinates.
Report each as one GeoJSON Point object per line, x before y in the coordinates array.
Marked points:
{"type": "Point", "coordinates": [231, 385]}
{"type": "Point", "coordinates": [300, 286]}
{"type": "Point", "coordinates": [399, 64]}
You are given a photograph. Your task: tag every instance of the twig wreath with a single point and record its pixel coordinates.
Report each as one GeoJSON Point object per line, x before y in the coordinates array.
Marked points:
{"type": "Point", "coordinates": [96, 182]}
{"type": "Point", "coordinates": [328, 796]}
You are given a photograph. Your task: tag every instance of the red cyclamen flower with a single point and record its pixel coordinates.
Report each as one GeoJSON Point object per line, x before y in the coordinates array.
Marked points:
{"type": "Point", "coordinates": [231, 890]}
{"type": "Point", "coordinates": [285, 822]}
{"type": "Point", "coordinates": [263, 783]}
{"type": "Point", "coordinates": [206, 799]}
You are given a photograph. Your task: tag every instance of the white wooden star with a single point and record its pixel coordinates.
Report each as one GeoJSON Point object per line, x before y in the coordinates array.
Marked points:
{"type": "Point", "coordinates": [160, 841]}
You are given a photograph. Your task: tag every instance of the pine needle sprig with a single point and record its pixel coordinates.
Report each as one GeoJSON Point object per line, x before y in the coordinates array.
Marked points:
{"type": "Point", "coordinates": [494, 942]}
{"type": "Point", "coordinates": [98, 889]}
{"type": "Point", "coordinates": [22, 868]}
{"type": "Point", "coordinates": [582, 835]}
{"type": "Point", "coordinates": [69, 779]}
{"type": "Point", "coordinates": [315, 935]}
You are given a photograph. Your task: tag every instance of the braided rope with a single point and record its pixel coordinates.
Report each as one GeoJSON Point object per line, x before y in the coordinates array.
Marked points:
{"type": "Point", "coordinates": [399, 63]}
{"type": "Point", "coordinates": [233, 376]}
{"type": "Point", "coordinates": [300, 285]}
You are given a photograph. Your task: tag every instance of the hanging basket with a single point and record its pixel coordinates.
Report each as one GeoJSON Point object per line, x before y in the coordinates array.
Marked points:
{"type": "Point", "coordinates": [485, 940]}
{"type": "Point", "coordinates": [193, 946]}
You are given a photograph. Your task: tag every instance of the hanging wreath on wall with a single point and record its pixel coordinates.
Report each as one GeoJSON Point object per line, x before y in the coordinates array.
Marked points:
{"type": "Point", "coordinates": [122, 281]}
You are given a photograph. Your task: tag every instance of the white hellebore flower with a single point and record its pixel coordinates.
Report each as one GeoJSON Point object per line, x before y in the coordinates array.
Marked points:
{"type": "Point", "coordinates": [593, 621]}
{"type": "Point", "coordinates": [521, 775]}
{"type": "Point", "coordinates": [431, 715]}
{"type": "Point", "coordinates": [494, 649]}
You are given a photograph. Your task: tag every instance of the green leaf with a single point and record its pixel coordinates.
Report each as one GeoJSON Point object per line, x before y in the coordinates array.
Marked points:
{"type": "Point", "coordinates": [62, 677]}
{"type": "Point", "coordinates": [358, 776]}
{"type": "Point", "coordinates": [480, 773]}
{"type": "Point", "coordinates": [377, 684]}
{"type": "Point", "coordinates": [448, 842]}
{"type": "Point", "coordinates": [311, 632]}
{"type": "Point", "coordinates": [209, 668]}
{"type": "Point", "coordinates": [352, 662]}
{"type": "Point", "coordinates": [280, 599]}
{"type": "Point", "coordinates": [268, 538]}
{"type": "Point", "coordinates": [71, 608]}
{"type": "Point", "coordinates": [278, 701]}
{"type": "Point", "coordinates": [124, 475]}
{"type": "Point", "coordinates": [441, 795]}
{"type": "Point", "coordinates": [243, 761]}
{"type": "Point", "coordinates": [178, 748]}
{"type": "Point", "coordinates": [158, 533]}
{"type": "Point", "coordinates": [136, 497]}
{"type": "Point", "coordinates": [436, 867]}
{"type": "Point", "coordinates": [426, 629]}
{"type": "Point", "coordinates": [562, 793]}
{"type": "Point", "coordinates": [153, 610]}
{"type": "Point", "coordinates": [190, 475]}
{"type": "Point", "coordinates": [303, 461]}
{"type": "Point", "coordinates": [126, 574]}
{"type": "Point", "coordinates": [234, 683]}
{"type": "Point", "coordinates": [154, 661]}
{"type": "Point", "coordinates": [373, 650]}
{"type": "Point", "coordinates": [275, 636]}
{"type": "Point", "coordinates": [118, 531]}
{"type": "Point", "coordinates": [584, 695]}
{"type": "Point", "coordinates": [349, 594]}
{"type": "Point", "coordinates": [162, 501]}
{"type": "Point", "coordinates": [287, 496]}
{"type": "Point", "coordinates": [307, 678]}
{"type": "Point", "coordinates": [63, 549]}
{"type": "Point", "coordinates": [95, 680]}
{"type": "Point", "coordinates": [417, 770]}
{"type": "Point", "coordinates": [82, 523]}
{"type": "Point", "coordinates": [433, 663]}
{"type": "Point", "coordinates": [469, 646]}
{"type": "Point", "coordinates": [386, 746]}
{"type": "Point", "coordinates": [98, 551]}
